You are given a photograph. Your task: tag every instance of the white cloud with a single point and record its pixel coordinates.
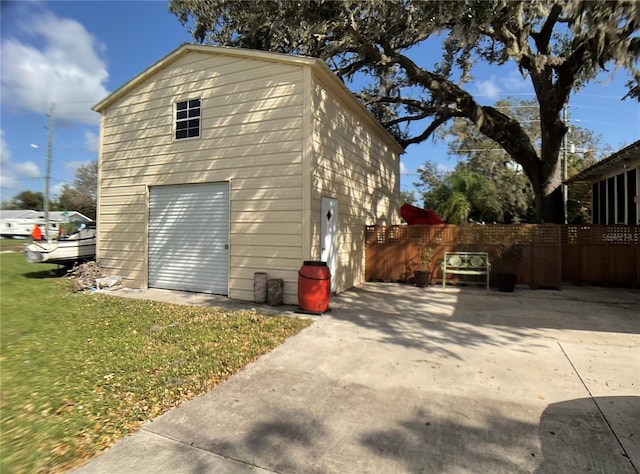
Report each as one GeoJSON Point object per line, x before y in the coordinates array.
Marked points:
{"type": "Point", "coordinates": [56, 190]}
{"type": "Point", "coordinates": [8, 181]}
{"type": "Point", "coordinates": [65, 68]}
{"type": "Point", "coordinates": [11, 173]}
{"type": "Point", "coordinates": [28, 169]}
{"type": "Point", "coordinates": [489, 88]}
{"type": "Point", "coordinates": [443, 168]}
{"type": "Point", "coordinates": [403, 168]}
{"type": "Point", "coordinates": [5, 155]}
{"type": "Point", "coordinates": [72, 166]}
{"type": "Point", "coordinates": [514, 81]}
{"type": "Point", "coordinates": [509, 83]}
{"type": "Point", "coordinates": [91, 141]}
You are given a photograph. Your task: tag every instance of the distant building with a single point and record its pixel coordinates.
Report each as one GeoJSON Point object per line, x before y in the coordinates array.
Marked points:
{"type": "Point", "coordinates": [615, 187]}
{"type": "Point", "coordinates": [19, 223]}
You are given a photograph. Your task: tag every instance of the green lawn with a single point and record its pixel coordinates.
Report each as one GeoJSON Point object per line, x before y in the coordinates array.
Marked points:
{"type": "Point", "coordinates": [79, 371]}
{"type": "Point", "coordinates": [13, 244]}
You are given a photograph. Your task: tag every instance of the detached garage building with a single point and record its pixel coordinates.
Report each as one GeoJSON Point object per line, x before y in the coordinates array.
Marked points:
{"type": "Point", "coordinates": [216, 163]}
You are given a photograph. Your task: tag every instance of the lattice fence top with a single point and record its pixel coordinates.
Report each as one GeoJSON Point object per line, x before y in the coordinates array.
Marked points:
{"type": "Point", "coordinates": [601, 235]}
{"type": "Point", "coordinates": [498, 234]}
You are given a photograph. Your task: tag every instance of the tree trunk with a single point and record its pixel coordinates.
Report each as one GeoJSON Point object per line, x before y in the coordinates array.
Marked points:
{"type": "Point", "coordinates": [545, 175]}
{"type": "Point", "coordinates": [552, 207]}
{"type": "Point", "coordinates": [546, 182]}
{"type": "Point", "coordinates": [549, 198]}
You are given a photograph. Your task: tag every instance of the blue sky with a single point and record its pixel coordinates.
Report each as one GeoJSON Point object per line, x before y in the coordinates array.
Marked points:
{"type": "Point", "coordinates": [75, 53]}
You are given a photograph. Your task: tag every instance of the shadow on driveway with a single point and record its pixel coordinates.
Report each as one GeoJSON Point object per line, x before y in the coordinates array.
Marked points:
{"type": "Point", "coordinates": [576, 435]}
{"type": "Point", "coordinates": [433, 318]}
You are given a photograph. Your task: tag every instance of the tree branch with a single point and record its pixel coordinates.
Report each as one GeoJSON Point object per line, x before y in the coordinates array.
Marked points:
{"type": "Point", "coordinates": [543, 37]}
{"type": "Point", "coordinates": [350, 69]}
{"type": "Point", "coordinates": [490, 122]}
{"type": "Point", "coordinates": [427, 132]}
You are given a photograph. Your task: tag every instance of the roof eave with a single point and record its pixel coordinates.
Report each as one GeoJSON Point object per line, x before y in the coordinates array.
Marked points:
{"type": "Point", "coordinates": [630, 153]}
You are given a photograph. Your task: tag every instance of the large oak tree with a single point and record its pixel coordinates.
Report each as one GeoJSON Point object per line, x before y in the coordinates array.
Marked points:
{"type": "Point", "coordinates": [557, 45]}
{"type": "Point", "coordinates": [479, 154]}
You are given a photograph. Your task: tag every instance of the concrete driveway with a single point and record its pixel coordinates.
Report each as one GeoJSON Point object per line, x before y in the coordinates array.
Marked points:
{"type": "Point", "coordinates": [401, 379]}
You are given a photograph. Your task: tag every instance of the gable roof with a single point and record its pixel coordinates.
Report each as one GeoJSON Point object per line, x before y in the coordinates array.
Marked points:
{"type": "Point", "coordinates": [629, 155]}
{"type": "Point", "coordinates": [318, 66]}
{"type": "Point", "coordinates": [29, 214]}
{"type": "Point", "coordinates": [17, 214]}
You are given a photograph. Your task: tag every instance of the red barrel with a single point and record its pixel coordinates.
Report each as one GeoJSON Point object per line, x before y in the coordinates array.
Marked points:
{"type": "Point", "coordinates": [314, 287]}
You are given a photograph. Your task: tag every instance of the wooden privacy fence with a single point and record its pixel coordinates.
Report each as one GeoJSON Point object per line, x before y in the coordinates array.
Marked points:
{"type": "Point", "coordinates": [607, 255]}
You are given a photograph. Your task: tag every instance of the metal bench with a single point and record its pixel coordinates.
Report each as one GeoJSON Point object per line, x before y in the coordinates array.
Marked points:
{"type": "Point", "coordinates": [465, 263]}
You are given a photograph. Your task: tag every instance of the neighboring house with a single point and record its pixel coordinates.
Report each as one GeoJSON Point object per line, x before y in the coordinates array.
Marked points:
{"type": "Point", "coordinates": [216, 163]}
{"type": "Point", "coordinates": [19, 223]}
{"type": "Point", "coordinates": [615, 187]}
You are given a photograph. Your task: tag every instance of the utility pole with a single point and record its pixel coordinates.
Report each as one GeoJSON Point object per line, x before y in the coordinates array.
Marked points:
{"type": "Point", "coordinates": [565, 189]}
{"type": "Point", "coordinates": [47, 175]}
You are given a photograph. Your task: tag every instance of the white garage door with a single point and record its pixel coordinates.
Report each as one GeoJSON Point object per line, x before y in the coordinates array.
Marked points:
{"type": "Point", "coordinates": [189, 237]}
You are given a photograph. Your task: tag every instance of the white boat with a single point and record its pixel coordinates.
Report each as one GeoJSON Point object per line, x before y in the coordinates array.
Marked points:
{"type": "Point", "coordinates": [65, 250]}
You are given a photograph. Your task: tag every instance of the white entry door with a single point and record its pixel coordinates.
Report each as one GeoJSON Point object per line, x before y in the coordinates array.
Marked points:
{"type": "Point", "coordinates": [329, 236]}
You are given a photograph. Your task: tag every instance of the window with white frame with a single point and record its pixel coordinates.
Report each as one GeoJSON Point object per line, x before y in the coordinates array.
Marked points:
{"type": "Point", "coordinates": [188, 119]}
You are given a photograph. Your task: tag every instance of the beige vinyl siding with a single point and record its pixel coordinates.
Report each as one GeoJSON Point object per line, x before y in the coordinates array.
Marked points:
{"type": "Point", "coordinates": [122, 232]}
{"type": "Point", "coordinates": [251, 137]}
{"type": "Point", "coordinates": [355, 164]}
{"type": "Point", "coordinates": [192, 171]}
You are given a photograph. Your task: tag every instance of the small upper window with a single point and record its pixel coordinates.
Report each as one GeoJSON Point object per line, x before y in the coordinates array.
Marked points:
{"type": "Point", "coordinates": [188, 119]}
